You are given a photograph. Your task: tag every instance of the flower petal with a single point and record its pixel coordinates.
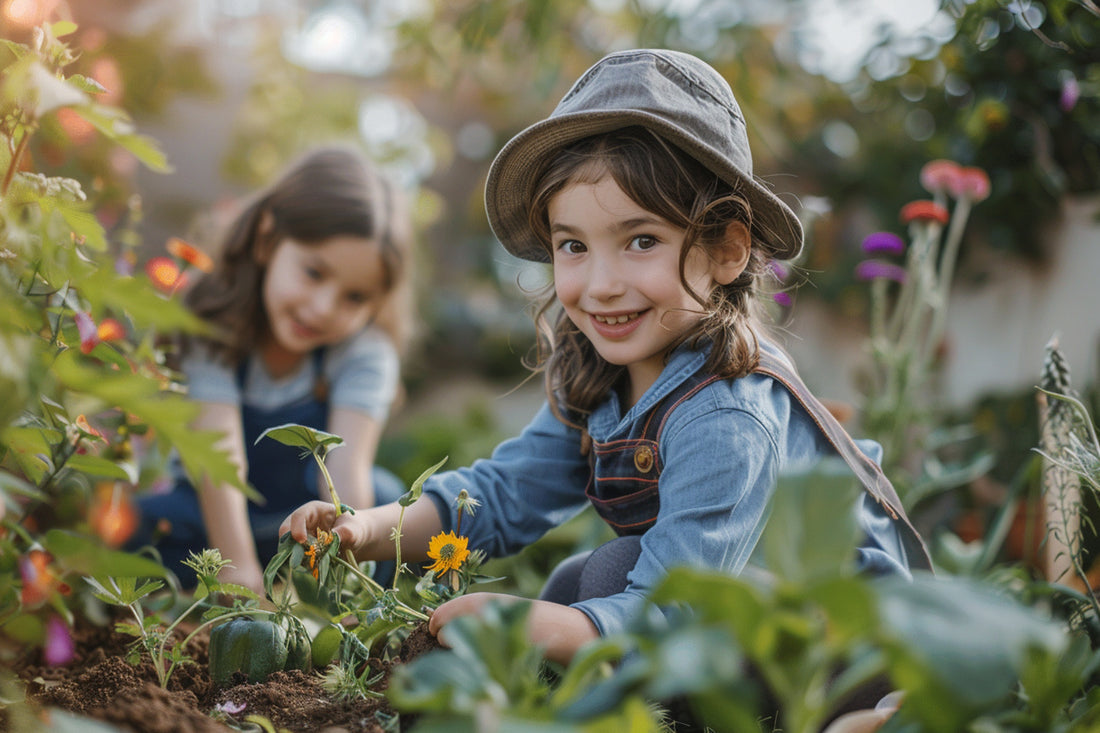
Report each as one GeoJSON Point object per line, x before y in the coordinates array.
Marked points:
{"type": "Point", "coordinates": [60, 649]}
{"type": "Point", "coordinates": [110, 330]}
{"type": "Point", "coordinates": [86, 327]}
{"type": "Point", "coordinates": [189, 253]}
{"type": "Point", "coordinates": [164, 273]}
{"type": "Point", "coordinates": [875, 269]}
{"type": "Point", "coordinates": [883, 243]}
{"type": "Point", "coordinates": [938, 175]}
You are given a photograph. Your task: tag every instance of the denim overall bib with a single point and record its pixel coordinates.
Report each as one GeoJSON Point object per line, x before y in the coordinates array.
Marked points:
{"type": "Point", "coordinates": [277, 471]}
{"type": "Point", "coordinates": [623, 483]}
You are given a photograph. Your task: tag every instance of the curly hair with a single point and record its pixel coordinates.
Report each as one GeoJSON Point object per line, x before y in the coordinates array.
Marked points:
{"type": "Point", "coordinates": [667, 182]}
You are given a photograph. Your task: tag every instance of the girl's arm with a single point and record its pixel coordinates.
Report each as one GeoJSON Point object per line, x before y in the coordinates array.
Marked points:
{"type": "Point", "coordinates": [224, 508]}
{"type": "Point", "coordinates": [350, 464]}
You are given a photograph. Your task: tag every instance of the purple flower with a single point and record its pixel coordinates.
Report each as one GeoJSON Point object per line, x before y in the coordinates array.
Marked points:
{"type": "Point", "coordinates": [60, 648]}
{"type": "Point", "coordinates": [874, 269]}
{"type": "Point", "coordinates": [883, 243]}
{"type": "Point", "coordinates": [784, 299]}
{"type": "Point", "coordinates": [1071, 92]}
{"type": "Point", "coordinates": [778, 269]}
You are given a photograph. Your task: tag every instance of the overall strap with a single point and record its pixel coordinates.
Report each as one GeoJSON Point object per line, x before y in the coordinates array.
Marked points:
{"type": "Point", "coordinates": [868, 472]}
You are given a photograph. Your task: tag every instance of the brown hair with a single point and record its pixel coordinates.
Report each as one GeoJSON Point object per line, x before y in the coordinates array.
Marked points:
{"type": "Point", "coordinates": [329, 192]}
{"type": "Point", "coordinates": [667, 182]}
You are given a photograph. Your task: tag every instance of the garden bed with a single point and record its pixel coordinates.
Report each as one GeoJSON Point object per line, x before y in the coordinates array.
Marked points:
{"type": "Point", "coordinates": [100, 684]}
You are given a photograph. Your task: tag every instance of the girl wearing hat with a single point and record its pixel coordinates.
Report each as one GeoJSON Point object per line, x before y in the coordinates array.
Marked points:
{"type": "Point", "coordinates": [667, 408]}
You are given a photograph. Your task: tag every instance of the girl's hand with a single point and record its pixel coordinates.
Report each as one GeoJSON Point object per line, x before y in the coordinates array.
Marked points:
{"type": "Point", "coordinates": [315, 515]}
{"type": "Point", "coordinates": [559, 630]}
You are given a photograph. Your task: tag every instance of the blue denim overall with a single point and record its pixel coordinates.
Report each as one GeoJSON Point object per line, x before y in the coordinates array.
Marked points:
{"type": "Point", "coordinates": [277, 471]}
{"type": "Point", "coordinates": [623, 488]}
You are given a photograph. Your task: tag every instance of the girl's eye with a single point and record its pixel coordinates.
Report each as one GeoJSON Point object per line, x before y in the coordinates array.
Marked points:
{"type": "Point", "coordinates": [643, 242]}
{"type": "Point", "coordinates": [357, 298]}
{"type": "Point", "coordinates": [572, 246]}
{"type": "Point", "coordinates": [312, 273]}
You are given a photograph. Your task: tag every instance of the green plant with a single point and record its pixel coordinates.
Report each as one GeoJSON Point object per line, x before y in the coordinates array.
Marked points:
{"type": "Point", "coordinates": [377, 615]}
{"type": "Point", "coordinates": [156, 637]}
{"type": "Point", "coordinates": [89, 408]}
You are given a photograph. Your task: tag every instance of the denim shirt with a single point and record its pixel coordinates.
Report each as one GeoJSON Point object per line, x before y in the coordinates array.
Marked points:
{"type": "Point", "coordinates": [723, 450]}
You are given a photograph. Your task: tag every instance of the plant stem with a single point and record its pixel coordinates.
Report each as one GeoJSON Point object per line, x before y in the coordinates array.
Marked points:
{"type": "Point", "coordinates": [13, 166]}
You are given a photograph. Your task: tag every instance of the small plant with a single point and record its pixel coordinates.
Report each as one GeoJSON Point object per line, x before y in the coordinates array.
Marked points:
{"type": "Point", "coordinates": [364, 616]}
{"type": "Point", "coordinates": [157, 638]}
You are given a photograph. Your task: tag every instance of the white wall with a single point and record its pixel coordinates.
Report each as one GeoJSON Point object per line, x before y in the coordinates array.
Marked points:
{"type": "Point", "coordinates": [996, 331]}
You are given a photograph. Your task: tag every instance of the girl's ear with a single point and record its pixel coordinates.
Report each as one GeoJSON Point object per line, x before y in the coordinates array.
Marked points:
{"type": "Point", "coordinates": [730, 257]}
{"type": "Point", "coordinates": [263, 239]}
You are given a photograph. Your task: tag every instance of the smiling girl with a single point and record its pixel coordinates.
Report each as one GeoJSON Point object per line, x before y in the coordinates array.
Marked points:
{"type": "Point", "coordinates": [668, 408]}
{"type": "Point", "coordinates": [309, 313]}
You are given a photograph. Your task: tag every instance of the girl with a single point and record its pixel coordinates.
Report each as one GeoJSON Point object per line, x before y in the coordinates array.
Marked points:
{"type": "Point", "coordinates": [309, 309]}
{"type": "Point", "coordinates": [668, 409]}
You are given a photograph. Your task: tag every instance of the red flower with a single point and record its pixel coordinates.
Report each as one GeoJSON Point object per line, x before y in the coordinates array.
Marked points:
{"type": "Point", "coordinates": [924, 210]}
{"type": "Point", "coordinates": [189, 253]}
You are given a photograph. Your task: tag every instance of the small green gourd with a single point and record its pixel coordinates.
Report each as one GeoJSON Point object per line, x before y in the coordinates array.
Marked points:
{"type": "Point", "coordinates": [256, 647]}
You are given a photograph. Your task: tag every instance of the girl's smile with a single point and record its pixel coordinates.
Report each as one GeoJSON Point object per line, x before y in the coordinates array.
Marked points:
{"type": "Point", "coordinates": [616, 273]}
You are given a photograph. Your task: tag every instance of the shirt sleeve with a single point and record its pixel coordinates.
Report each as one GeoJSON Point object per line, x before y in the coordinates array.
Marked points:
{"type": "Point", "coordinates": [531, 483]}
{"type": "Point", "coordinates": [209, 379]}
{"type": "Point", "coordinates": [713, 507]}
{"type": "Point", "coordinates": [364, 373]}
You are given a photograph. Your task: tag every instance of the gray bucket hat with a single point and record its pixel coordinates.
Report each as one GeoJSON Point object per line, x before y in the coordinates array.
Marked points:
{"type": "Point", "coordinates": [677, 96]}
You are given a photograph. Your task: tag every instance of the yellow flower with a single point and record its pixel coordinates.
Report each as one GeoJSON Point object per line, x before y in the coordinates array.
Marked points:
{"type": "Point", "coordinates": [449, 552]}
{"type": "Point", "coordinates": [316, 546]}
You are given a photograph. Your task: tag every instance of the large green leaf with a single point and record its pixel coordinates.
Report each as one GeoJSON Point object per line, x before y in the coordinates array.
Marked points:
{"type": "Point", "coordinates": [88, 556]}
{"type": "Point", "coordinates": [958, 647]}
{"type": "Point", "coordinates": [302, 436]}
{"type": "Point", "coordinates": [812, 530]}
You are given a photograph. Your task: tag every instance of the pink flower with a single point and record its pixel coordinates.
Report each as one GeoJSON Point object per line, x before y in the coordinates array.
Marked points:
{"type": "Point", "coordinates": [973, 184]}
{"type": "Point", "coordinates": [59, 649]}
{"type": "Point", "coordinates": [875, 269]}
{"type": "Point", "coordinates": [89, 334]}
{"type": "Point", "coordinates": [924, 210]}
{"type": "Point", "coordinates": [778, 269]}
{"type": "Point", "coordinates": [939, 175]}
{"type": "Point", "coordinates": [883, 243]}
{"type": "Point", "coordinates": [784, 299]}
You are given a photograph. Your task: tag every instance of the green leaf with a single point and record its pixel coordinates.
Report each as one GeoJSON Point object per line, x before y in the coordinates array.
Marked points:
{"type": "Point", "coordinates": [813, 529]}
{"type": "Point", "coordinates": [116, 125]}
{"type": "Point", "coordinates": [409, 497]}
{"type": "Point", "coordinates": [93, 465]}
{"type": "Point", "coordinates": [85, 556]}
{"type": "Point", "coordinates": [302, 436]}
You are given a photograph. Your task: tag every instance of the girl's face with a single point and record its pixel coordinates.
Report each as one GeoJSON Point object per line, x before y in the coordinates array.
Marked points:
{"type": "Point", "coordinates": [616, 273]}
{"type": "Point", "coordinates": [318, 294]}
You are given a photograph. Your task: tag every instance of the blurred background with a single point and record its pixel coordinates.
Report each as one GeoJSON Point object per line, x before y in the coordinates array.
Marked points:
{"type": "Point", "coordinates": [845, 101]}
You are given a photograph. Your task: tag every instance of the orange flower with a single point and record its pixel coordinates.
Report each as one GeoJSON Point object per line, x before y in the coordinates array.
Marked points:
{"type": "Point", "coordinates": [448, 550]}
{"type": "Point", "coordinates": [924, 210]}
{"type": "Point", "coordinates": [165, 274]}
{"type": "Point", "coordinates": [110, 330]}
{"type": "Point", "coordinates": [39, 580]}
{"type": "Point", "coordinates": [189, 253]}
{"type": "Point", "coordinates": [316, 548]}
{"type": "Point", "coordinates": [112, 516]}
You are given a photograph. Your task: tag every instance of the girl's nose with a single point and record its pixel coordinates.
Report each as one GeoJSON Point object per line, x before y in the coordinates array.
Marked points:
{"type": "Point", "coordinates": [323, 302]}
{"type": "Point", "coordinates": [604, 280]}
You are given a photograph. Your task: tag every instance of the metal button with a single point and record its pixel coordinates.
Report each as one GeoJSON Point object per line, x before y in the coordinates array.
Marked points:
{"type": "Point", "coordinates": [643, 459]}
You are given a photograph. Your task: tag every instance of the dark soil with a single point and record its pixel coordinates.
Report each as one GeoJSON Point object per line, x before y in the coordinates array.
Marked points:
{"type": "Point", "coordinates": [100, 684]}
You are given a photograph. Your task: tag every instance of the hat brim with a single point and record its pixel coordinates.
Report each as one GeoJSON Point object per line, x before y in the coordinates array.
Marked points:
{"type": "Point", "coordinates": [512, 176]}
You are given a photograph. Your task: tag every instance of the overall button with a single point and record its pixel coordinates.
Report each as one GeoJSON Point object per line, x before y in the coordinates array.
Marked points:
{"type": "Point", "coordinates": [643, 459]}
